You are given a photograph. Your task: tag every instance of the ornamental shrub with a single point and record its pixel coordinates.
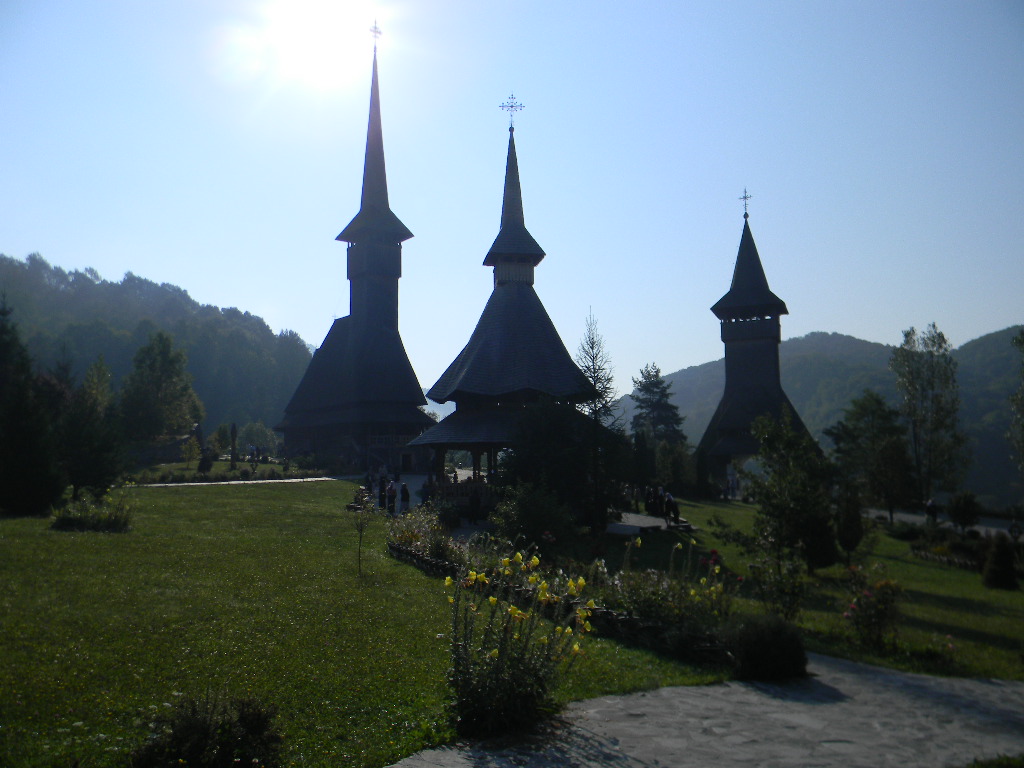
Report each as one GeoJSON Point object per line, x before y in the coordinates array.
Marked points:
{"type": "Point", "coordinates": [506, 660]}
{"type": "Point", "coordinates": [873, 611]}
{"type": "Point", "coordinates": [765, 647]}
{"type": "Point", "coordinates": [209, 732]}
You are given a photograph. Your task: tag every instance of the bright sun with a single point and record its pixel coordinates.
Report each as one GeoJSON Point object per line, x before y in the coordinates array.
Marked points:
{"type": "Point", "coordinates": [320, 45]}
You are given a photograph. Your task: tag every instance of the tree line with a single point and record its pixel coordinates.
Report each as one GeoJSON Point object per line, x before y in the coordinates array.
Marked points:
{"type": "Point", "coordinates": [241, 370]}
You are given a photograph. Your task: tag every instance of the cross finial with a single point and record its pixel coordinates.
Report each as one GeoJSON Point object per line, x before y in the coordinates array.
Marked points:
{"type": "Point", "coordinates": [375, 31]}
{"type": "Point", "coordinates": [511, 106]}
{"type": "Point", "coordinates": [745, 197]}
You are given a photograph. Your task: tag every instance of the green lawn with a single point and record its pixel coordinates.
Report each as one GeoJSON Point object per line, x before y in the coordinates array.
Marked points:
{"type": "Point", "coordinates": [239, 590]}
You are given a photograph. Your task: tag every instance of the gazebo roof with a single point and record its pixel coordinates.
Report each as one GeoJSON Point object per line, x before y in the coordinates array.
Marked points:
{"type": "Point", "coordinates": [514, 349]}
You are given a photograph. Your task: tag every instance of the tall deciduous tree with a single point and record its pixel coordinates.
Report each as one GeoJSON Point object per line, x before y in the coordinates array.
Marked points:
{"type": "Point", "coordinates": [1016, 433]}
{"type": "Point", "coordinates": [871, 452]}
{"type": "Point", "coordinates": [158, 398]}
{"type": "Point", "coordinates": [655, 411]}
{"type": "Point", "coordinates": [926, 378]}
{"type": "Point", "coordinates": [90, 433]}
{"type": "Point", "coordinates": [792, 493]}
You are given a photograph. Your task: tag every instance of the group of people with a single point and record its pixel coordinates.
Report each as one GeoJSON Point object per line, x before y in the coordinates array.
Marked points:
{"type": "Point", "coordinates": [658, 502]}
{"type": "Point", "coordinates": [392, 495]}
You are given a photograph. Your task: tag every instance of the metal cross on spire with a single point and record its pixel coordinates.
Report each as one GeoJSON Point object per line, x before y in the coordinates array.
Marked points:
{"type": "Point", "coordinates": [745, 197]}
{"type": "Point", "coordinates": [511, 106]}
{"type": "Point", "coordinates": [375, 31]}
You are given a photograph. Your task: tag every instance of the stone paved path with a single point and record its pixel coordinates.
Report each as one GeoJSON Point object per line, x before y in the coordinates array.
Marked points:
{"type": "Point", "coordinates": [846, 715]}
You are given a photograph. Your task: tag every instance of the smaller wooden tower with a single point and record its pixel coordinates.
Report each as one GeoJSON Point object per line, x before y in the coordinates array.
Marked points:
{"type": "Point", "coordinates": [751, 331]}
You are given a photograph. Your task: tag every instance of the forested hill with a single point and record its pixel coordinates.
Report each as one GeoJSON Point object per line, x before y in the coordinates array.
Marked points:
{"type": "Point", "coordinates": [242, 371]}
{"type": "Point", "coordinates": [823, 372]}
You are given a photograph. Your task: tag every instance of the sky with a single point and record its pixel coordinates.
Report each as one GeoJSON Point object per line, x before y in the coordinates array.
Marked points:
{"type": "Point", "coordinates": [217, 145]}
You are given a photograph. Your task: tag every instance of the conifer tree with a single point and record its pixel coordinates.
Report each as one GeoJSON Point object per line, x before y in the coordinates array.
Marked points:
{"type": "Point", "coordinates": [32, 481]}
{"type": "Point", "coordinates": [655, 411]}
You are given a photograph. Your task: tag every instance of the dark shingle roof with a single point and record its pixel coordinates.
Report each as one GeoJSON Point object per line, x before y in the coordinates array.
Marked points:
{"type": "Point", "coordinates": [357, 375]}
{"type": "Point", "coordinates": [749, 295]}
{"type": "Point", "coordinates": [514, 349]}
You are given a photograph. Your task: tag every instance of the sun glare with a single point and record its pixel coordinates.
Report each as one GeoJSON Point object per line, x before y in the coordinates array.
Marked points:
{"type": "Point", "coordinates": [319, 45]}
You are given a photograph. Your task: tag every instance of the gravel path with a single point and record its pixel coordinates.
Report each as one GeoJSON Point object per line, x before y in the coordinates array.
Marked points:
{"type": "Point", "coordinates": [845, 715]}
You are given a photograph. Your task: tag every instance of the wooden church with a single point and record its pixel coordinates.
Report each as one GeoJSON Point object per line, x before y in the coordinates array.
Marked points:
{"type": "Point", "coordinates": [751, 331]}
{"type": "Point", "coordinates": [514, 357]}
{"type": "Point", "coordinates": [359, 400]}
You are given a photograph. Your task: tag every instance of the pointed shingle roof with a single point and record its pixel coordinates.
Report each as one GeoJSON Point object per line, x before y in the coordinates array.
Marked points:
{"type": "Point", "coordinates": [514, 349]}
{"type": "Point", "coordinates": [749, 295]}
{"type": "Point", "coordinates": [513, 240]}
{"type": "Point", "coordinates": [375, 220]}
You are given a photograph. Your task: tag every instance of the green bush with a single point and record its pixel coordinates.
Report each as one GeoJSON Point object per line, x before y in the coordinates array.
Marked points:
{"type": "Point", "coordinates": [765, 647]}
{"type": "Point", "coordinates": [535, 515]}
{"type": "Point", "coordinates": [208, 732]}
{"type": "Point", "coordinates": [1000, 569]}
{"type": "Point", "coordinates": [105, 515]}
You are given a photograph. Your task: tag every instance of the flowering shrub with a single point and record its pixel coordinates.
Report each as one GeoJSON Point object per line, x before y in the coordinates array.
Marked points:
{"type": "Point", "coordinates": [105, 514]}
{"type": "Point", "coordinates": [779, 584]}
{"type": "Point", "coordinates": [873, 612]}
{"type": "Point", "coordinates": [506, 658]}
{"type": "Point", "coordinates": [422, 530]}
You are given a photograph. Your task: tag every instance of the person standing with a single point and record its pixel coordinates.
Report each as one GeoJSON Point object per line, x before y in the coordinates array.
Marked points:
{"type": "Point", "coordinates": [404, 497]}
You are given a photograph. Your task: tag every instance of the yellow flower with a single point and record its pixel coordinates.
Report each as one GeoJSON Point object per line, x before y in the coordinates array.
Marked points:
{"type": "Point", "coordinates": [586, 626]}
{"type": "Point", "coordinates": [693, 541]}
{"type": "Point", "coordinates": [492, 600]}
{"type": "Point", "coordinates": [576, 648]}
{"type": "Point", "coordinates": [543, 640]}
{"type": "Point", "coordinates": [447, 581]}
{"type": "Point", "coordinates": [493, 654]}
{"type": "Point", "coordinates": [591, 604]}
{"type": "Point", "coordinates": [581, 582]}
{"type": "Point", "coordinates": [568, 630]}
{"type": "Point", "coordinates": [505, 561]}
{"type": "Point", "coordinates": [451, 599]}
{"type": "Point", "coordinates": [703, 581]}
{"type": "Point", "coordinates": [472, 575]}
{"type": "Point", "coordinates": [534, 561]}
{"type": "Point", "coordinates": [508, 571]}
{"type": "Point", "coordinates": [558, 630]}
{"type": "Point", "coordinates": [482, 578]}
{"type": "Point", "coordinates": [572, 587]}
{"type": "Point", "coordinates": [638, 542]}
{"type": "Point", "coordinates": [532, 579]}
{"type": "Point", "coordinates": [519, 557]}
{"type": "Point", "coordinates": [679, 545]}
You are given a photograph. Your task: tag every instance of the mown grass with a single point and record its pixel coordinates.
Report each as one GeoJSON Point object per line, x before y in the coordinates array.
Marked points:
{"type": "Point", "coordinates": [238, 590]}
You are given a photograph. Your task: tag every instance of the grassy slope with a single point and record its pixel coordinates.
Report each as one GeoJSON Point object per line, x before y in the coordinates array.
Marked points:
{"type": "Point", "coordinates": [986, 625]}
{"type": "Point", "coordinates": [246, 589]}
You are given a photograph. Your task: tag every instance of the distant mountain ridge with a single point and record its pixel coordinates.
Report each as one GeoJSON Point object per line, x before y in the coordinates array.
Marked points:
{"type": "Point", "coordinates": [822, 372]}
{"type": "Point", "coordinates": [242, 371]}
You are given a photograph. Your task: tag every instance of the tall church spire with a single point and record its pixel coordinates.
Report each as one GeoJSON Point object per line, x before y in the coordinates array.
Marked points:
{"type": "Point", "coordinates": [514, 242]}
{"type": "Point", "coordinates": [375, 220]}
